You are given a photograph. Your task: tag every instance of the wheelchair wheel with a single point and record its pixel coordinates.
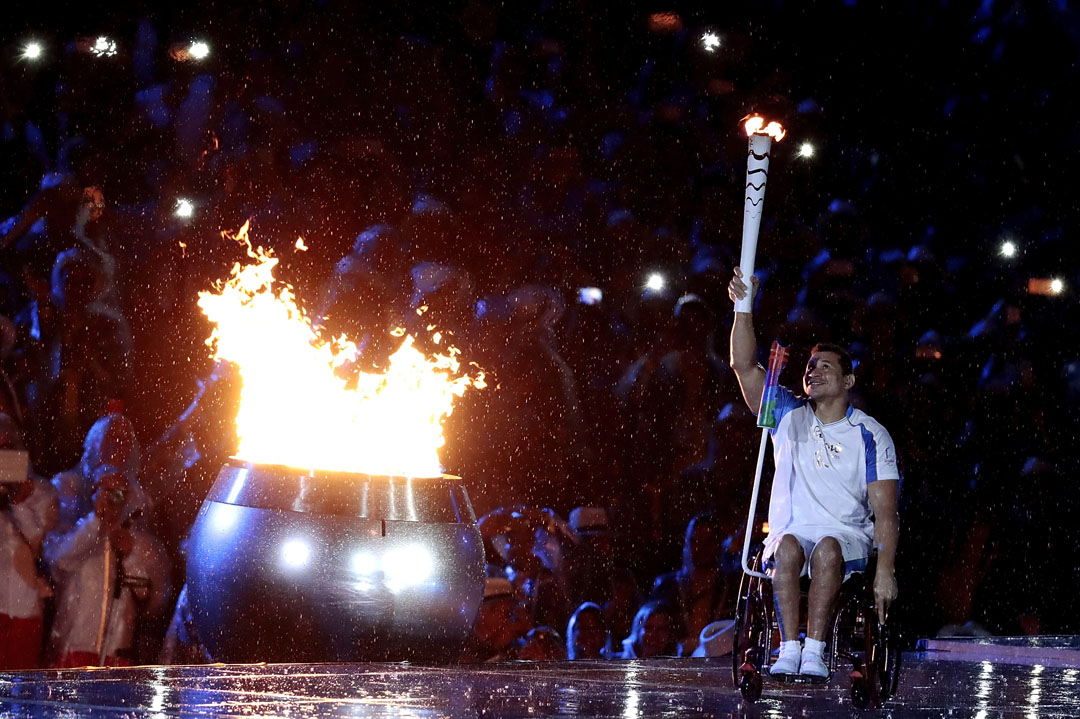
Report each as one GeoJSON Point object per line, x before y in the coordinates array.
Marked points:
{"type": "Point", "coordinates": [752, 638]}
{"type": "Point", "coordinates": [861, 691]}
{"type": "Point", "coordinates": [887, 660]}
{"type": "Point", "coordinates": [750, 685]}
{"type": "Point", "coordinates": [875, 677]}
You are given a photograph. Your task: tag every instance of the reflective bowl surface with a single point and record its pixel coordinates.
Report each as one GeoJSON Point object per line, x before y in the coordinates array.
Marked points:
{"type": "Point", "coordinates": [290, 566]}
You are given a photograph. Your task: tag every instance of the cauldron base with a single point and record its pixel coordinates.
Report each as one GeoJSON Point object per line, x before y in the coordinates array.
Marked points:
{"type": "Point", "coordinates": [288, 566]}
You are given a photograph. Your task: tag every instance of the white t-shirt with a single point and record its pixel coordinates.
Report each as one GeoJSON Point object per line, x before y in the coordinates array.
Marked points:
{"type": "Point", "coordinates": [822, 471]}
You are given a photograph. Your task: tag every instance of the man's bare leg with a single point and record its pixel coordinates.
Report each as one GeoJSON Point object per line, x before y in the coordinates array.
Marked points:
{"type": "Point", "coordinates": [827, 573]}
{"type": "Point", "coordinates": [787, 568]}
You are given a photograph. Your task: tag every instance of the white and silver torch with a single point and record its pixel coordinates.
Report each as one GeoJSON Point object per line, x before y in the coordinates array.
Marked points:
{"type": "Point", "coordinates": [761, 134]}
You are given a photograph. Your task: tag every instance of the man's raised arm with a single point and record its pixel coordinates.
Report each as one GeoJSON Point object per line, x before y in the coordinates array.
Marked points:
{"type": "Point", "coordinates": [744, 346]}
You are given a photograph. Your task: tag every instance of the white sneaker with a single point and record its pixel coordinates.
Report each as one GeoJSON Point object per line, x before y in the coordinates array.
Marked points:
{"type": "Point", "coordinates": [813, 665]}
{"type": "Point", "coordinates": [788, 661]}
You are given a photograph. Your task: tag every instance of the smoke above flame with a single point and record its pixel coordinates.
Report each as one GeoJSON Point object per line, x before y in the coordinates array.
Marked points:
{"type": "Point", "coordinates": [295, 407]}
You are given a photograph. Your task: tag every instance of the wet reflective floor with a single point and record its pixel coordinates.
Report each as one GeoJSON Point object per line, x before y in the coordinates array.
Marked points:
{"type": "Point", "coordinates": [932, 684]}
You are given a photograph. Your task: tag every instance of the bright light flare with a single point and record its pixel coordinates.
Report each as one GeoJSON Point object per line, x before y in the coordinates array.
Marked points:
{"type": "Point", "coordinates": [1046, 286]}
{"type": "Point", "coordinates": [185, 208]}
{"type": "Point", "coordinates": [295, 553]}
{"type": "Point", "coordinates": [807, 150]}
{"type": "Point", "coordinates": [103, 47]}
{"type": "Point", "coordinates": [365, 563]}
{"type": "Point", "coordinates": [33, 51]}
{"type": "Point", "coordinates": [304, 405]}
{"type": "Point", "coordinates": [655, 282]}
{"type": "Point", "coordinates": [756, 125]}
{"type": "Point", "coordinates": [199, 50]}
{"type": "Point", "coordinates": [1008, 249]}
{"type": "Point", "coordinates": [710, 42]}
{"type": "Point", "coordinates": [407, 567]}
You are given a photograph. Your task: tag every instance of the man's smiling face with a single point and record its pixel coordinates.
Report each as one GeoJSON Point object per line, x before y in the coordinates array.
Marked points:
{"type": "Point", "coordinates": [824, 377]}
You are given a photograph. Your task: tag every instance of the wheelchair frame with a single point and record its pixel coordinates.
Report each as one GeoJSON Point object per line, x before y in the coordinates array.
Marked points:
{"type": "Point", "coordinates": [872, 649]}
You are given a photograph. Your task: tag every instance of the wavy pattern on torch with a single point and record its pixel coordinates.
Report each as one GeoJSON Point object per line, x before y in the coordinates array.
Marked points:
{"type": "Point", "coordinates": [760, 169]}
{"type": "Point", "coordinates": [756, 187]}
{"type": "Point", "coordinates": [766, 156]}
{"type": "Point", "coordinates": [754, 202]}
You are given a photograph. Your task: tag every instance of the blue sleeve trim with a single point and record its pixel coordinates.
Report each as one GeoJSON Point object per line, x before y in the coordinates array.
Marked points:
{"type": "Point", "coordinates": [871, 453]}
{"type": "Point", "coordinates": [785, 402]}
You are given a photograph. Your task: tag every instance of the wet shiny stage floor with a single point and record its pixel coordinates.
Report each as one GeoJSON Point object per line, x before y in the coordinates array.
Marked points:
{"type": "Point", "coordinates": [980, 685]}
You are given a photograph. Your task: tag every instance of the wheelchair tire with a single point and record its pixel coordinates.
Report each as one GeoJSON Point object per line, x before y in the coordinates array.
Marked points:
{"type": "Point", "coordinates": [742, 631]}
{"type": "Point", "coordinates": [887, 660]}
{"type": "Point", "coordinates": [750, 683]}
{"type": "Point", "coordinates": [750, 650]}
{"type": "Point", "coordinates": [875, 679]}
{"type": "Point", "coordinates": [861, 691]}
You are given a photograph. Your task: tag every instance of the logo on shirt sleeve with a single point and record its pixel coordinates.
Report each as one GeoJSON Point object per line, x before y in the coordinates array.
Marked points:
{"type": "Point", "coordinates": [890, 458]}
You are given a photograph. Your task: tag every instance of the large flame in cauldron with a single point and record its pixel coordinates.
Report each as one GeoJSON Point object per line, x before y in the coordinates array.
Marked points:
{"type": "Point", "coordinates": [296, 409]}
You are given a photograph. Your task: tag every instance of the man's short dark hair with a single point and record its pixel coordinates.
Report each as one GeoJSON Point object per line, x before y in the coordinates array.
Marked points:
{"type": "Point", "coordinates": [846, 363]}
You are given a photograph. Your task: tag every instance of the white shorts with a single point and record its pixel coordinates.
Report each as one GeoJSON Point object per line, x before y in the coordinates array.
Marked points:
{"type": "Point", "coordinates": [854, 547]}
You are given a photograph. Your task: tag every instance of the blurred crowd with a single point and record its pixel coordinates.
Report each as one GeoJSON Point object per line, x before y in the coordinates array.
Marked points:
{"type": "Point", "coordinates": [561, 186]}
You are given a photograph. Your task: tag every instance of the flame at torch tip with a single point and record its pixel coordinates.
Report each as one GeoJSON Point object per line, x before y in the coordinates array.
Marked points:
{"type": "Point", "coordinates": [755, 125]}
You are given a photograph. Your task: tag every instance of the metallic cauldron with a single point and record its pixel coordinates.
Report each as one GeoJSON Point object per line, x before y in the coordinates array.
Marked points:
{"type": "Point", "coordinates": [289, 566]}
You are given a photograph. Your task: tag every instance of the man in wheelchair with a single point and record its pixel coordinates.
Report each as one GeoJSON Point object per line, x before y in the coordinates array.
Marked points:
{"type": "Point", "coordinates": [834, 493]}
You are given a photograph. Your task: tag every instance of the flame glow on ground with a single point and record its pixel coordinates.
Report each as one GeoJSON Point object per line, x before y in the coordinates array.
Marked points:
{"type": "Point", "coordinates": [296, 410]}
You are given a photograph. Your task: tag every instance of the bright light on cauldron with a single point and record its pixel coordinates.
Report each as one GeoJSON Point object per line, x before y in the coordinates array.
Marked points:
{"type": "Point", "coordinates": [199, 50]}
{"type": "Point", "coordinates": [365, 563]}
{"type": "Point", "coordinates": [406, 567]}
{"type": "Point", "coordinates": [295, 553]}
{"type": "Point", "coordinates": [301, 407]}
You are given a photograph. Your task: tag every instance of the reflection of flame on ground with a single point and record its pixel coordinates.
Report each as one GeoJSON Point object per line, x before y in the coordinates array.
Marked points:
{"type": "Point", "coordinates": [296, 409]}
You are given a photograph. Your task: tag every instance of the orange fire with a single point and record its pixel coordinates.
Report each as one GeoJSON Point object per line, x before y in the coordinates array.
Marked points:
{"type": "Point", "coordinates": [755, 125]}
{"type": "Point", "coordinates": [296, 410]}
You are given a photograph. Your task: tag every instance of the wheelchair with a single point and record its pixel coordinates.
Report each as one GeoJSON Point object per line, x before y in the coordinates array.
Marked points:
{"type": "Point", "coordinates": [872, 649]}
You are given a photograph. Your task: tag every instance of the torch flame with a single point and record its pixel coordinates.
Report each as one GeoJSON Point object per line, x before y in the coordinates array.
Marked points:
{"type": "Point", "coordinates": [755, 125]}
{"type": "Point", "coordinates": [296, 410]}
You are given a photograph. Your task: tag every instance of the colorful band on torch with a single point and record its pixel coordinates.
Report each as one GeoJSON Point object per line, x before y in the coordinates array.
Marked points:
{"type": "Point", "coordinates": [778, 355]}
